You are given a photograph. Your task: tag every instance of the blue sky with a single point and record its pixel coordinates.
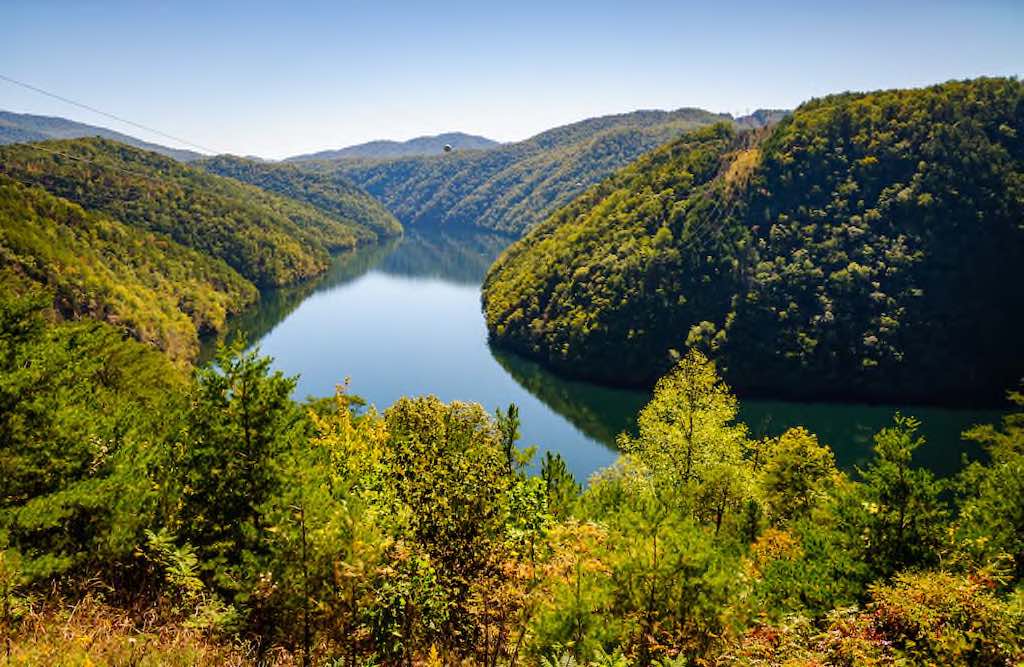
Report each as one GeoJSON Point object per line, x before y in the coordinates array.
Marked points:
{"type": "Point", "coordinates": [276, 79]}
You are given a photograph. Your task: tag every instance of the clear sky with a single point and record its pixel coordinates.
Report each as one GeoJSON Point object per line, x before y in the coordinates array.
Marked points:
{"type": "Point", "coordinates": [280, 78]}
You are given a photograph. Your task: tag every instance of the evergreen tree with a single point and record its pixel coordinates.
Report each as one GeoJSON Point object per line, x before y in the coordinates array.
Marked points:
{"type": "Point", "coordinates": [899, 507]}
{"type": "Point", "coordinates": [241, 419]}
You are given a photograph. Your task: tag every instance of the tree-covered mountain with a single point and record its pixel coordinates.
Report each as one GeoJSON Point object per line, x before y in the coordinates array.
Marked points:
{"type": "Point", "coordinates": [331, 194]}
{"type": "Point", "coordinates": [267, 238]}
{"type": "Point", "coordinates": [387, 150]}
{"type": "Point", "coordinates": [18, 128]}
{"type": "Point", "coordinates": [157, 290]}
{"type": "Point", "coordinates": [870, 246]}
{"type": "Point", "coordinates": [162, 250]}
{"type": "Point", "coordinates": [511, 187]}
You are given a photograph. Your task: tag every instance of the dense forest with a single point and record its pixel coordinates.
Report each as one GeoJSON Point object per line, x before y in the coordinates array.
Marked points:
{"type": "Point", "coordinates": [509, 188]}
{"type": "Point", "coordinates": [160, 291]}
{"type": "Point", "coordinates": [868, 246]}
{"type": "Point", "coordinates": [269, 239]}
{"type": "Point", "coordinates": [165, 251]}
{"type": "Point", "coordinates": [156, 512]}
{"type": "Point", "coordinates": [153, 516]}
{"type": "Point", "coordinates": [332, 195]}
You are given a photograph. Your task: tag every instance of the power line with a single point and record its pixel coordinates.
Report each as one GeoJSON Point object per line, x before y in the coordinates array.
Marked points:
{"type": "Point", "coordinates": [76, 158]}
{"type": "Point", "coordinates": [108, 115]}
{"type": "Point", "coordinates": [719, 212]}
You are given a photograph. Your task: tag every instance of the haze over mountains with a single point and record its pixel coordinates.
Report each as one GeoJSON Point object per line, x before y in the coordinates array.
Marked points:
{"type": "Point", "coordinates": [387, 149]}
{"type": "Point", "coordinates": [514, 186]}
{"type": "Point", "coordinates": [18, 128]}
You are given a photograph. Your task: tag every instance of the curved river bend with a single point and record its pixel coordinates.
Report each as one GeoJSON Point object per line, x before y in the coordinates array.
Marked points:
{"type": "Point", "coordinates": [404, 319]}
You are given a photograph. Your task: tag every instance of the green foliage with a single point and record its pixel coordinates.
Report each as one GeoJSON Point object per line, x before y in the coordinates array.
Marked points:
{"type": "Point", "coordinates": [560, 487]}
{"type": "Point", "coordinates": [155, 289]}
{"type": "Point", "coordinates": [589, 288]}
{"type": "Point", "coordinates": [447, 467]}
{"type": "Point", "coordinates": [84, 415]}
{"type": "Point", "coordinates": [929, 618]}
{"type": "Point", "coordinates": [990, 528]}
{"type": "Point", "coordinates": [182, 585]}
{"type": "Point", "coordinates": [216, 508]}
{"type": "Point", "coordinates": [332, 195]}
{"type": "Point", "coordinates": [268, 239]}
{"type": "Point", "coordinates": [511, 187]}
{"type": "Point", "coordinates": [669, 581]}
{"type": "Point", "coordinates": [850, 251]}
{"type": "Point", "coordinates": [812, 567]}
{"type": "Point", "coordinates": [241, 419]}
{"type": "Point", "coordinates": [797, 475]}
{"type": "Point", "coordinates": [898, 505]}
{"type": "Point", "coordinates": [686, 431]}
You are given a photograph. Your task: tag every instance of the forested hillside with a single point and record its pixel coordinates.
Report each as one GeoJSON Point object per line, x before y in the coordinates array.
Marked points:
{"type": "Point", "coordinates": [269, 239]}
{"type": "Point", "coordinates": [163, 251]}
{"type": "Point", "coordinates": [386, 150]}
{"type": "Point", "coordinates": [509, 188]}
{"type": "Point", "coordinates": [97, 267]}
{"type": "Point", "coordinates": [331, 194]}
{"type": "Point", "coordinates": [869, 246]}
{"type": "Point", "coordinates": [19, 128]}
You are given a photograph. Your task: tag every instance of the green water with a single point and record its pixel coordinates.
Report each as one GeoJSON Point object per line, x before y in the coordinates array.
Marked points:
{"type": "Point", "coordinates": [404, 319]}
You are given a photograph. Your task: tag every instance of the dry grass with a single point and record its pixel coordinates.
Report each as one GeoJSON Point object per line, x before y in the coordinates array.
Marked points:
{"type": "Point", "coordinates": [91, 633]}
{"type": "Point", "coordinates": [741, 167]}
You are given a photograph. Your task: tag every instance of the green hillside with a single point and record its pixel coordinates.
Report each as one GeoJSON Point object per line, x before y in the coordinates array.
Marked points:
{"type": "Point", "coordinates": [269, 239]}
{"type": "Point", "coordinates": [163, 251]}
{"type": "Point", "coordinates": [870, 246]}
{"type": "Point", "coordinates": [151, 287]}
{"type": "Point", "coordinates": [513, 186]}
{"type": "Point", "coordinates": [333, 195]}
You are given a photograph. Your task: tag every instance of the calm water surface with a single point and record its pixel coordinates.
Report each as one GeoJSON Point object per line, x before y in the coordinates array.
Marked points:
{"type": "Point", "coordinates": [404, 319]}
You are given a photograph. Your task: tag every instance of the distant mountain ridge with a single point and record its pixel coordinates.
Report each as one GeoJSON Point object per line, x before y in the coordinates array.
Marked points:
{"type": "Point", "coordinates": [511, 187]}
{"type": "Point", "coordinates": [17, 128]}
{"type": "Point", "coordinates": [387, 149]}
{"type": "Point", "coordinates": [762, 118]}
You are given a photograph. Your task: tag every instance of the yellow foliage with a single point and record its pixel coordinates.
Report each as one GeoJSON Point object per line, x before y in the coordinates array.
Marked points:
{"type": "Point", "coordinates": [742, 166]}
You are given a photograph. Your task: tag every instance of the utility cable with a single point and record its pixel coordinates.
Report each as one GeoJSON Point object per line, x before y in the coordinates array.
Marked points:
{"type": "Point", "coordinates": [108, 115]}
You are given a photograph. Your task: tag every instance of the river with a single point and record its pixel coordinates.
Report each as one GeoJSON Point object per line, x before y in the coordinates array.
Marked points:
{"type": "Point", "coordinates": [404, 319]}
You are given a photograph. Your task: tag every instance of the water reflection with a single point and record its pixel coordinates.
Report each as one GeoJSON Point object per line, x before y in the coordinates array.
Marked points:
{"type": "Point", "coordinates": [602, 413]}
{"type": "Point", "coordinates": [850, 428]}
{"type": "Point", "coordinates": [404, 319]}
{"type": "Point", "coordinates": [276, 304]}
{"type": "Point", "coordinates": [457, 257]}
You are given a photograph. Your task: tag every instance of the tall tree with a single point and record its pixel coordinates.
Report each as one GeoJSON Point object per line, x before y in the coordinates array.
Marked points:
{"type": "Point", "coordinates": [241, 418]}
{"type": "Point", "coordinates": [900, 507]}
{"type": "Point", "coordinates": [688, 429]}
